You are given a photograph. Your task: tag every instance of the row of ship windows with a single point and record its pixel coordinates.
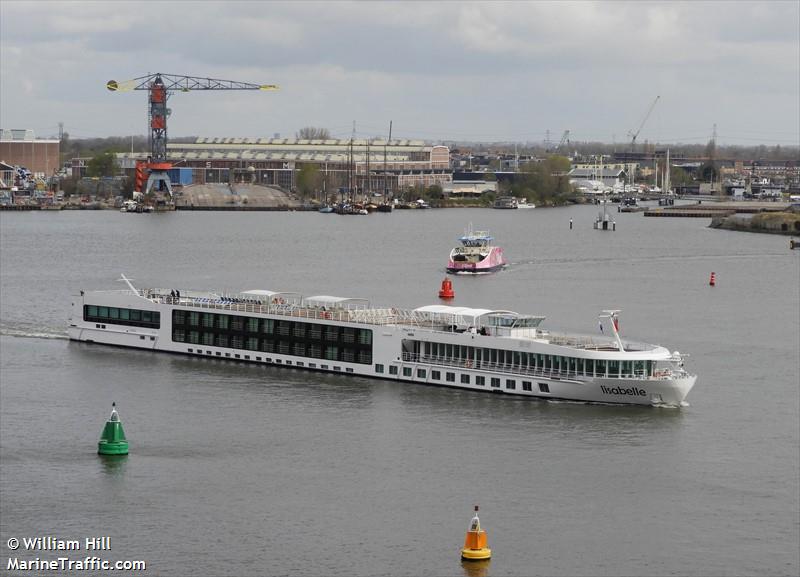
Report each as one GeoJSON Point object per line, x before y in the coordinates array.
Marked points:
{"type": "Point", "coordinates": [494, 382]}
{"type": "Point", "coordinates": [449, 377]}
{"type": "Point", "coordinates": [120, 316]}
{"type": "Point", "coordinates": [268, 360]}
{"type": "Point", "coordinates": [298, 349]}
{"type": "Point", "coordinates": [533, 361]}
{"type": "Point", "coordinates": [255, 325]}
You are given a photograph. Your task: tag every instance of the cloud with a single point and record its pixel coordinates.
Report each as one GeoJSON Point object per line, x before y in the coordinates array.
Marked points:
{"type": "Point", "coordinates": [506, 69]}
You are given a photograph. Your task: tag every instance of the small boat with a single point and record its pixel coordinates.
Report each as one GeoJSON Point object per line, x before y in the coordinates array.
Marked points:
{"type": "Point", "coordinates": [506, 202]}
{"type": "Point", "coordinates": [476, 255]}
{"type": "Point", "coordinates": [326, 209]}
{"type": "Point", "coordinates": [523, 203]}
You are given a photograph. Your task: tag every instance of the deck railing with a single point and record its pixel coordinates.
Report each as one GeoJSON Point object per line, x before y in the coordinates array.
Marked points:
{"type": "Point", "coordinates": [511, 369]}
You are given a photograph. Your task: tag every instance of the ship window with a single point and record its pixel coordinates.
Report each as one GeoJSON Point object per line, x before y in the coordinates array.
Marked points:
{"type": "Point", "coordinates": [300, 364]}
{"type": "Point", "coordinates": [348, 335]}
{"type": "Point", "coordinates": [194, 337]}
{"type": "Point", "coordinates": [324, 367]}
{"type": "Point", "coordinates": [237, 323]}
{"type": "Point", "coordinates": [208, 320]}
{"type": "Point", "coordinates": [378, 368]}
{"type": "Point", "coordinates": [268, 326]}
{"type": "Point", "coordinates": [365, 357]}
{"type": "Point", "coordinates": [178, 317]}
{"type": "Point", "coordinates": [208, 339]}
{"type": "Point", "coordinates": [315, 332]}
{"type": "Point", "coordinates": [222, 340]}
{"type": "Point", "coordinates": [136, 315]}
{"type": "Point", "coordinates": [465, 379]}
{"type": "Point", "coordinates": [436, 375]}
{"type": "Point", "coordinates": [332, 353]}
{"type": "Point", "coordinates": [406, 371]}
{"type": "Point", "coordinates": [299, 350]}
{"type": "Point", "coordinates": [392, 370]}
{"type": "Point", "coordinates": [283, 347]}
{"type": "Point", "coordinates": [511, 384]}
{"type": "Point", "coordinates": [236, 342]}
{"type": "Point", "coordinates": [450, 377]}
{"type": "Point", "coordinates": [365, 337]}
{"type": "Point", "coordinates": [268, 346]}
{"type": "Point", "coordinates": [544, 387]}
{"type": "Point", "coordinates": [223, 321]}
{"type": "Point", "coordinates": [627, 368]}
{"type": "Point", "coordinates": [194, 318]}
{"type": "Point", "coordinates": [526, 385]}
{"type": "Point", "coordinates": [348, 369]}
{"type": "Point", "coordinates": [91, 311]}
{"type": "Point", "coordinates": [219, 354]}
{"type": "Point", "coordinates": [495, 382]}
{"type": "Point", "coordinates": [102, 312]}
{"type": "Point", "coordinates": [237, 356]}
{"type": "Point", "coordinates": [421, 374]}
{"type": "Point", "coordinates": [252, 343]}
{"type": "Point", "coordinates": [312, 365]}
{"type": "Point", "coordinates": [480, 380]}
{"type": "Point", "coordinates": [178, 335]}
{"type": "Point", "coordinates": [299, 330]}
{"type": "Point", "coordinates": [315, 350]}
{"type": "Point", "coordinates": [252, 324]}
{"type": "Point", "coordinates": [348, 355]}
{"type": "Point", "coordinates": [247, 357]}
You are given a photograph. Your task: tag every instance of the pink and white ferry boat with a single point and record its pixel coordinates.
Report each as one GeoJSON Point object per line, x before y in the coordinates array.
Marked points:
{"type": "Point", "coordinates": [476, 255]}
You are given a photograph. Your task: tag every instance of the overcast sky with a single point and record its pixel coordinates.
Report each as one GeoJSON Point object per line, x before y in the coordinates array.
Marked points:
{"type": "Point", "coordinates": [481, 71]}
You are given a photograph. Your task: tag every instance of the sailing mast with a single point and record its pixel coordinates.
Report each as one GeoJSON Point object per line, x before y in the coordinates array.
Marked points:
{"type": "Point", "coordinates": [385, 174]}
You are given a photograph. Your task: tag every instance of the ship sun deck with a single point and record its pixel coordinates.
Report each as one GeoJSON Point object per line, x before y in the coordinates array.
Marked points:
{"type": "Point", "coordinates": [436, 318]}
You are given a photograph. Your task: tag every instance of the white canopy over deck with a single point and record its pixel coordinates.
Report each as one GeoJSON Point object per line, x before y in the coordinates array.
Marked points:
{"type": "Point", "coordinates": [274, 297]}
{"type": "Point", "coordinates": [328, 302]}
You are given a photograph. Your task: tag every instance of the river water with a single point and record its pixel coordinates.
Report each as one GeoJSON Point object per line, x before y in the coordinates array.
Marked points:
{"type": "Point", "coordinates": [252, 470]}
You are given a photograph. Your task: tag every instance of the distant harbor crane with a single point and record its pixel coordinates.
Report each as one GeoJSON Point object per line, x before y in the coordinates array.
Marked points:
{"type": "Point", "coordinates": [160, 87]}
{"type": "Point", "coordinates": [633, 135]}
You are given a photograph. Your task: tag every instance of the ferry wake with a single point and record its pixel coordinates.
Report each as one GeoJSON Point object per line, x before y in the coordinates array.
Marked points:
{"type": "Point", "coordinates": [477, 349]}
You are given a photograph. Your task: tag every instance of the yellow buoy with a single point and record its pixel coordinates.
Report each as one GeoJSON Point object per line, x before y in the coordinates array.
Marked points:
{"type": "Point", "coordinates": [475, 548]}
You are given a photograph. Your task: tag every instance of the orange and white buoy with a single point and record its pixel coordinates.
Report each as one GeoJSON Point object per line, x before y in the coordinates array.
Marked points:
{"type": "Point", "coordinates": [475, 548]}
{"type": "Point", "coordinates": [446, 292]}
{"type": "Point", "coordinates": [713, 280]}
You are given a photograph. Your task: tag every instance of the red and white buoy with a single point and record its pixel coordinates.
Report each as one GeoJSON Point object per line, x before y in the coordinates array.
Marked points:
{"type": "Point", "coordinates": [713, 280]}
{"type": "Point", "coordinates": [446, 292]}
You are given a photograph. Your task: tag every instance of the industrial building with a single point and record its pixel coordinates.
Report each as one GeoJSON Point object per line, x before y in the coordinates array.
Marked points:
{"type": "Point", "coordinates": [364, 165]}
{"type": "Point", "coordinates": [20, 147]}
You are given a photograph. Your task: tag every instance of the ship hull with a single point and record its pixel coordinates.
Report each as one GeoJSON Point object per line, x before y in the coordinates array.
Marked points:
{"type": "Point", "coordinates": [391, 353]}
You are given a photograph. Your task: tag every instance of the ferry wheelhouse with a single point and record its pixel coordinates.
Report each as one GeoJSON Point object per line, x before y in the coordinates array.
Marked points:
{"type": "Point", "coordinates": [477, 349]}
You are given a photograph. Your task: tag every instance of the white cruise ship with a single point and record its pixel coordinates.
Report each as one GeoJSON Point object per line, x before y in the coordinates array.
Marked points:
{"type": "Point", "coordinates": [477, 349]}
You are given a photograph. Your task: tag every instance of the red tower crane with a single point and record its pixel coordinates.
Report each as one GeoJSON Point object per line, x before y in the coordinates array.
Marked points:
{"type": "Point", "coordinates": [160, 87]}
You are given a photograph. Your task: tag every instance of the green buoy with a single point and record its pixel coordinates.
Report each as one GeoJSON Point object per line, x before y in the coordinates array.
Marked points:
{"type": "Point", "coordinates": [113, 441]}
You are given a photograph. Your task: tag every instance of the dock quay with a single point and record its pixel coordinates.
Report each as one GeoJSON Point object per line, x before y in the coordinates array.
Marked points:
{"type": "Point", "coordinates": [712, 209]}
{"type": "Point", "coordinates": [20, 207]}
